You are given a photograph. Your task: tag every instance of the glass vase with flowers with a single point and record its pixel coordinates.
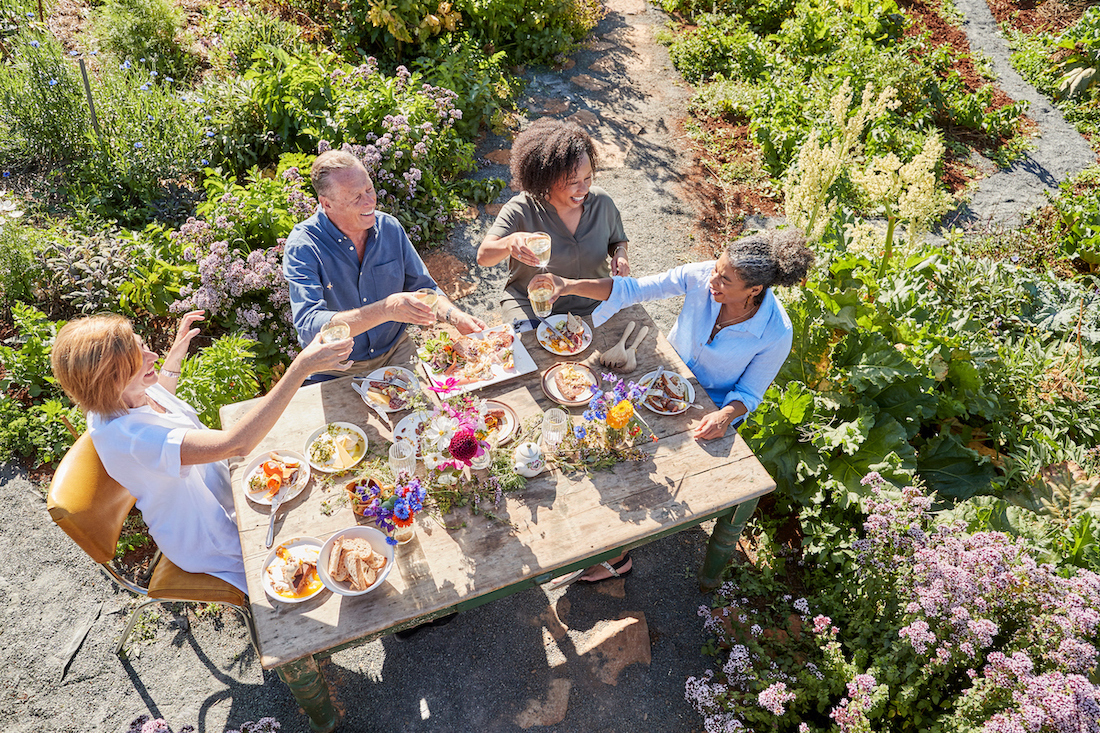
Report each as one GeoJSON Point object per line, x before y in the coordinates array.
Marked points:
{"type": "Point", "coordinates": [609, 427]}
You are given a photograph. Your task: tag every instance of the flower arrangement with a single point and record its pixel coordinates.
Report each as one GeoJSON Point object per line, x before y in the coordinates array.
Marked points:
{"type": "Point", "coordinates": [611, 425]}
{"type": "Point", "coordinates": [390, 506]}
{"type": "Point", "coordinates": [453, 439]}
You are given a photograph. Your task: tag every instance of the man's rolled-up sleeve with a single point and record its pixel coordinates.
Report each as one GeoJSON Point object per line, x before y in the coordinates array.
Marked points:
{"type": "Point", "coordinates": [302, 271]}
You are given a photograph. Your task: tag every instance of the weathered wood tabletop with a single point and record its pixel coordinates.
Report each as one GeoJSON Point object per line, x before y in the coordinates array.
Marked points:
{"type": "Point", "coordinates": [558, 521]}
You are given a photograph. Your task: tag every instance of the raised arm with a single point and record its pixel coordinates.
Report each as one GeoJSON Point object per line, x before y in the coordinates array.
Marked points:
{"type": "Point", "coordinates": [207, 446]}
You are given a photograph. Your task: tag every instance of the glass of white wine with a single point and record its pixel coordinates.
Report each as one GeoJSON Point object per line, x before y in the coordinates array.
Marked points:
{"type": "Point", "coordinates": [539, 243]}
{"type": "Point", "coordinates": [430, 298]}
{"type": "Point", "coordinates": [540, 300]}
{"type": "Point", "coordinates": [334, 331]}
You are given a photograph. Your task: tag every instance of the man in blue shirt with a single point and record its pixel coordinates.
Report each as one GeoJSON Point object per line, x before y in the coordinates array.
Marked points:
{"type": "Point", "coordinates": [351, 263]}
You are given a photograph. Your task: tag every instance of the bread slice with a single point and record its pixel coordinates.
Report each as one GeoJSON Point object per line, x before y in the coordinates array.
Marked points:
{"type": "Point", "coordinates": [335, 564]}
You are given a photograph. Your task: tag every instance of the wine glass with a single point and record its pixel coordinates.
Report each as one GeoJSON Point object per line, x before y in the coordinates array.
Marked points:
{"type": "Point", "coordinates": [554, 422]}
{"type": "Point", "coordinates": [334, 331]}
{"type": "Point", "coordinates": [539, 243]}
{"type": "Point", "coordinates": [402, 458]}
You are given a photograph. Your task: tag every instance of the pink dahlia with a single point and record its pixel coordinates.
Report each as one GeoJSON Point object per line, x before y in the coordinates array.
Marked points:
{"type": "Point", "coordinates": [463, 445]}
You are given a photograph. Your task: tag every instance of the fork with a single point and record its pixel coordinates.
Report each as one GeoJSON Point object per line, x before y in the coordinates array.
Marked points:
{"type": "Point", "coordinates": [275, 503]}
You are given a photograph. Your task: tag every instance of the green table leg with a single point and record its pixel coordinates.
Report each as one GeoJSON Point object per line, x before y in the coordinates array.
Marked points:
{"type": "Point", "coordinates": [308, 685]}
{"type": "Point", "coordinates": [723, 542]}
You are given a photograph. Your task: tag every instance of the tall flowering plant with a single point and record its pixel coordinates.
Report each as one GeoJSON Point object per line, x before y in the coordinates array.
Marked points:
{"type": "Point", "coordinates": [934, 628]}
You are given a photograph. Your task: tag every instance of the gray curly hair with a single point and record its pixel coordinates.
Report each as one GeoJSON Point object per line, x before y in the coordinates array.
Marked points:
{"type": "Point", "coordinates": [773, 257]}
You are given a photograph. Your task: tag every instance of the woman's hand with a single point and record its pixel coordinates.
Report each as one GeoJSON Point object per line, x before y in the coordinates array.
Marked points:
{"type": "Point", "coordinates": [173, 360]}
{"type": "Point", "coordinates": [619, 265]}
{"type": "Point", "coordinates": [715, 424]}
{"type": "Point", "coordinates": [558, 284]}
{"type": "Point", "coordinates": [319, 357]}
{"type": "Point", "coordinates": [519, 250]}
{"type": "Point", "coordinates": [407, 308]}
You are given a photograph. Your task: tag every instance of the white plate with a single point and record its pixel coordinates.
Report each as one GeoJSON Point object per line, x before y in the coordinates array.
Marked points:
{"type": "Point", "coordinates": [383, 375]}
{"type": "Point", "coordinates": [406, 428]}
{"type": "Point", "coordinates": [266, 579]}
{"type": "Point", "coordinates": [550, 387]}
{"type": "Point", "coordinates": [378, 543]}
{"type": "Point", "coordinates": [648, 378]}
{"type": "Point", "coordinates": [543, 335]}
{"type": "Point", "coordinates": [509, 425]}
{"type": "Point", "coordinates": [295, 488]}
{"type": "Point", "coordinates": [522, 363]}
{"type": "Point", "coordinates": [332, 469]}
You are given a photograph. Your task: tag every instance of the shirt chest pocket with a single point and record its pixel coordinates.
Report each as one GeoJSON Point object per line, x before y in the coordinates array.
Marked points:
{"type": "Point", "coordinates": [382, 279]}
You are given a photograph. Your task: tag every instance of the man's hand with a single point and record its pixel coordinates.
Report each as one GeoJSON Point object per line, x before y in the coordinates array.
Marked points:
{"type": "Point", "coordinates": [465, 323]}
{"type": "Point", "coordinates": [407, 308]}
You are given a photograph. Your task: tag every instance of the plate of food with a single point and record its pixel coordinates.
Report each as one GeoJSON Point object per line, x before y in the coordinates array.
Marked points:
{"type": "Point", "coordinates": [410, 427]}
{"type": "Point", "coordinates": [501, 423]}
{"type": "Point", "coordinates": [355, 561]}
{"type": "Point", "coordinates": [465, 363]}
{"type": "Point", "coordinates": [290, 571]}
{"type": "Point", "coordinates": [569, 383]}
{"type": "Point", "coordinates": [336, 447]}
{"type": "Point", "coordinates": [578, 335]}
{"type": "Point", "coordinates": [390, 388]}
{"type": "Point", "coordinates": [671, 395]}
{"type": "Point", "coordinates": [269, 472]}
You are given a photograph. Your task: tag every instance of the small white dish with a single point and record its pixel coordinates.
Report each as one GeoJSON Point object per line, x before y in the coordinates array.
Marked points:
{"type": "Point", "coordinates": [356, 455]}
{"type": "Point", "coordinates": [405, 429]}
{"type": "Point", "coordinates": [544, 337]}
{"type": "Point", "coordinates": [293, 544]}
{"type": "Point", "coordinates": [387, 374]}
{"type": "Point", "coordinates": [377, 540]}
{"type": "Point", "coordinates": [647, 379]}
{"type": "Point", "coordinates": [295, 488]}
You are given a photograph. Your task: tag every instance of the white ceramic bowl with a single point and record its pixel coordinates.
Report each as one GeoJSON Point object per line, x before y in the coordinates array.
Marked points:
{"type": "Point", "coordinates": [378, 543]}
{"type": "Point", "coordinates": [317, 433]}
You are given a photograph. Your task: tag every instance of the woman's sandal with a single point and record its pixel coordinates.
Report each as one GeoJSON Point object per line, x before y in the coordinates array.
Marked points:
{"type": "Point", "coordinates": [613, 569]}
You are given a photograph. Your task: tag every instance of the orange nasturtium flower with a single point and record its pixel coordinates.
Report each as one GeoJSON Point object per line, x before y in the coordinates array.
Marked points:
{"type": "Point", "coordinates": [619, 415]}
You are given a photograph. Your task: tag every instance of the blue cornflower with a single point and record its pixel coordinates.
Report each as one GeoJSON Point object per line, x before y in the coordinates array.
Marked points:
{"type": "Point", "coordinates": [169, 79]}
{"type": "Point", "coordinates": [53, 82]}
{"type": "Point", "coordinates": [150, 116]}
{"type": "Point", "coordinates": [1015, 258]}
{"type": "Point", "coordinates": [579, 431]}
{"type": "Point", "coordinates": [205, 161]}
{"type": "Point", "coordinates": [153, 73]}
{"type": "Point", "coordinates": [208, 118]}
{"type": "Point", "coordinates": [587, 415]}
{"type": "Point", "coordinates": [7, 174]}
{"type": "Point", "coordinates": [74, 53]}
{"type": "Point", "coordinates": [209, 134]}
{"type": "Point", "coordinates": [124, 65]}
{"type": "Point", "coordinates": [30, 14]}
{"type": "Point", "coordinates": [144, 87]}
{"type": "Point", "coordinates": [138, 146]}
{"type": "Point", "coordinates": [94, 53]}
{"type": "Point", "coordinates": [35, 44]}
{"type": "Point", "coordinates": [142, 60]}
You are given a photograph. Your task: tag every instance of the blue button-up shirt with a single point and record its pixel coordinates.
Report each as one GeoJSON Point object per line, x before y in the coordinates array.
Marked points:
{"type": "Point", "coordinates": [326, 277]}
{"type": "Point", "coordinates": [741, 360]}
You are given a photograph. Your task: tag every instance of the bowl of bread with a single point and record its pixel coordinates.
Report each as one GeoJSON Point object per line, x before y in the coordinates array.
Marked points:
{"type": "Point", "coordinates": [355, 561]}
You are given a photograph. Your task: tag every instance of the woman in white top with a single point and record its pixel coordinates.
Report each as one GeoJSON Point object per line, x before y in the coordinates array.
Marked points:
{"type": "Point", "coordinates": [732, 331]}
{"type": "Point", "coordinates": [153, 443]}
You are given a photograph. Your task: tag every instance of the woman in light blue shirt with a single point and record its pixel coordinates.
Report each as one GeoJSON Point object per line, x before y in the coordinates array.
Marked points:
{"type": "Point", "coordinates": [732, 331]}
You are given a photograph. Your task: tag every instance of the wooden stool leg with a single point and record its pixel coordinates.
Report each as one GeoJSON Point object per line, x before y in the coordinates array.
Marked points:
{"type": "Point", "coordinates": [309, 688]}
{"type": "Point", "coordinates": [723, 542]}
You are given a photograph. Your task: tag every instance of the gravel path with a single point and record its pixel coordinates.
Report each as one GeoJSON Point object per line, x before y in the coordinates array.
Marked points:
{"type": "Point", "coordinates": [1060, 151]}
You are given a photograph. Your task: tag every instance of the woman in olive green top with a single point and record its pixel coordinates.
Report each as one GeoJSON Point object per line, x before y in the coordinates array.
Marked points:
{"type": "Point", "coordinates": [552, 163]}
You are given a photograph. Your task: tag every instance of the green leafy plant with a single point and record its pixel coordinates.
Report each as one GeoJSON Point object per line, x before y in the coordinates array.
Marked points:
{"type": "Point", "coordinates": [25, 357]}
{"type": "Point", "coordinates": [1078, 70]}
{"type": "Point", "coordinates": [146, 32]}
{"type": "Point", "coordinates": [219, 375]}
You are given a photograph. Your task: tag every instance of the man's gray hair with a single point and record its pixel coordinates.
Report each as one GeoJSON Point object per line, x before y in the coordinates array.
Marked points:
{"type": "Point", "coordinates": [327, 163]}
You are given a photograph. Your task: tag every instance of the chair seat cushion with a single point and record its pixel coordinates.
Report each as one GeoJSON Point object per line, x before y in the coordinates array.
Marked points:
{"type": "Point", "coordinates": [169, 581]}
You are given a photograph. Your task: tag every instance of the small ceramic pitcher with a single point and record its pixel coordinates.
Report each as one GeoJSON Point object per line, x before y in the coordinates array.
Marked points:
{"type": "Point", "coordinates": [529, 461]}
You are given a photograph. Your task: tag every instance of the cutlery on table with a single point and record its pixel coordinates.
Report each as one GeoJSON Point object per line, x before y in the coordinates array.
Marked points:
{"type": "Point", "coordinates": [653, 389]}
{"type": "Point", "coordinates": [631, 362]}
{"type": "Point", "coordinates": [275, 503]}
{"type": "Point", "coordinates": [554, 329]}
{"type": "Point", "coordinates": [358, 387]}
{"type": "Point", "coordinates": [615, 357]}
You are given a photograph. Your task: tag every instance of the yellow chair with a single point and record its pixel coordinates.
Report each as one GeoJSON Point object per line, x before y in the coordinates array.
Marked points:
{"type": "Point", "coordinates": [91, 507]}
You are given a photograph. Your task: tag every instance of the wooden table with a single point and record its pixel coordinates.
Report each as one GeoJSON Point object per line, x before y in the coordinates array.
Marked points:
{"type": "Point", "coordinates": [559, 522]}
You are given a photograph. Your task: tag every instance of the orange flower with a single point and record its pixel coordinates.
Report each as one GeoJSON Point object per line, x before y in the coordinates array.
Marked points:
{"type": "Point", "coordinates": [619, 415]}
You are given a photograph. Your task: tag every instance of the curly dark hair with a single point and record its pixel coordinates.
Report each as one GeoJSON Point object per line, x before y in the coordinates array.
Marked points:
{"type": "Point", "coordinates": [548, 152]}
{"type": "Point", "coordinates": [774, 257]}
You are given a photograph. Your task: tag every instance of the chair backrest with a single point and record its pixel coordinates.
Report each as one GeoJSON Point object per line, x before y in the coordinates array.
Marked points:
{"type": "Point", "coordinates": [86, 503]}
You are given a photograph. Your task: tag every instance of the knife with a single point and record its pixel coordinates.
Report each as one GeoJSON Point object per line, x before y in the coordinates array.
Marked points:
{"type": "Point", "coordinates": [652, 390]}
{"type": "Point", "coordinates": [554, 330]}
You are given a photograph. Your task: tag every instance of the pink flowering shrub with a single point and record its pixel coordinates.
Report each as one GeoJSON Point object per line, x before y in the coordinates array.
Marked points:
{"type": "Point", "coordinates": [239, 280]}
{"type": "Point", "coordinates": [928, 627]}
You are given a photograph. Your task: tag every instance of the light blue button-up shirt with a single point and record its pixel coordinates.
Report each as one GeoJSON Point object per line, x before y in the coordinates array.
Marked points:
{"type": "Point", "coordinates": [741, 360]}
{"type": "Point", "coordinates": [326, 277]}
